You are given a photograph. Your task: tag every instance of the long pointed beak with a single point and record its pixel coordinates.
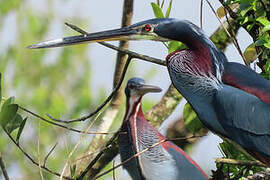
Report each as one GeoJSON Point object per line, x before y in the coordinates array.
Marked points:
{"type": "Point", "coordinates": [149, 88]}
{"type": "Point", "coordinates": [110, 35]}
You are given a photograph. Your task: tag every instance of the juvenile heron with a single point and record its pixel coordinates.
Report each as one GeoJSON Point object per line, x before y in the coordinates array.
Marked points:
{"type": "Point", "coordinates": [164, 161]}
{"type": "Point", "coordinates": [229, 98]}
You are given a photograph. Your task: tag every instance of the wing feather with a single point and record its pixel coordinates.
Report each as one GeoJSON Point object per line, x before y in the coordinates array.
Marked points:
{"type": "Point", "coordinates": [246, 117]}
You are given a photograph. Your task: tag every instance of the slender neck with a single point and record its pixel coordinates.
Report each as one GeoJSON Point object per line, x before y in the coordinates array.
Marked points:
{"type": "Point", "coordinates": [133, 106]}
{"type": "Point", "coordinates": [194, 38]}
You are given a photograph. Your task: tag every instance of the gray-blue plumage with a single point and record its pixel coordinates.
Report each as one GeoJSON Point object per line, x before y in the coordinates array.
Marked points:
{"type": "Point", "coordinates": [185, 165]}
{"type": "Point", "coordinates": [246, 117]}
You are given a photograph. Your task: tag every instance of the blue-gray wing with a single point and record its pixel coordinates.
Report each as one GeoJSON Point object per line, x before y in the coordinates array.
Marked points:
{"type": "Point", "coordinates": [187, 170]}
{"type": "Point", "coordinates": [245, 117]}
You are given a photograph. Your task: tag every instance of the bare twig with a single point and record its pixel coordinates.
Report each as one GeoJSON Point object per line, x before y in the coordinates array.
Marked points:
{"type": "Point", "coordinates": [32, 160]}
{"type": "Point", "coordinates": [235, 39]}
{"type": "Point", "coordinates": [235, 42]}
{"type": "Point", "coordinates": [103, 104]}
{"type": "Point", "coordinates": [77, 145]}
{"type": "Point", "coordinates": [97, 157]}
{"type": "Point", "coordinates": [201, 14]}
{"type": "Point", "coordinates": [141, 152]}
{"type": "Point", "coordinates": [113, 163]}
{"type": "Point", "coordinates": [38, 152]}
{"type": "Point", "coordinates": [168, 102]}
{"type": "Point", "coordinates": [3, 168]}
{"type": "Point", "coordinates": [131, 53]}
{"type": "Point", "coordinates": [121, 58]}
{"type": "Point", "coordinates": [240, 162]}
{"type": "Point", "coordinates": [60, 125]}
{"type": "Point", "coordinates": [49, 153]}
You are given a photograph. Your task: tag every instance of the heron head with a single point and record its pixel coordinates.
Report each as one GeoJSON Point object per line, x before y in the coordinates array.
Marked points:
{"type": "Point", "coordinates": [136, 87]}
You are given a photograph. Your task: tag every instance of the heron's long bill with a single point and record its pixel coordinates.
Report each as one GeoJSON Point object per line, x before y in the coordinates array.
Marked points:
{"type": "Point", "coordinates": [110, 35]}
{"type": "Point", "coordinates": [149, 88]}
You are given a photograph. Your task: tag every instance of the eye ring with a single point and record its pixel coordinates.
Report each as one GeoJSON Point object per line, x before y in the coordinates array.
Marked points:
{"type": "Point", "coordinates": [147, 28]}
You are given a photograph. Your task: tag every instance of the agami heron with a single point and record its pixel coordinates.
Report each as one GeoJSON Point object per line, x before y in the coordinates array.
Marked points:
{"type": "Point", "coordinates": [164, 161]}
{"type": "Point", "coordinates": [229, 98]}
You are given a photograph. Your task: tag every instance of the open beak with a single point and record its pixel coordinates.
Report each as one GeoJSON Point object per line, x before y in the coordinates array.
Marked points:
{"type": "Point", "coordinates": [149, 88]}
{"type": "Point", "coordinates": [125, 33]}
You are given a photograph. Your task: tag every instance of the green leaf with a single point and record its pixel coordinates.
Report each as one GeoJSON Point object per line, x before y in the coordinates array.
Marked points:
{"type": "Point", "coordinates": [7, 114]}
{"type": "Point", "coordinates": [21, 129]}
{"type": "Point", "coordinates": [175, 45]}
{"type": "Point", "coordinates": [266, 28]}
{"type": "Point", "coordinates": [192, 122]}
{"type": "Point", "coordinates": [263, 21]}
{"type": "Point", "coordinates": [260, 42]}
{"type": "Point", "coordinates": [168, 12]}
{"type": "Point", "coordinates": [14, 123]}
{"type": "Point", "coordinates": [267, 45]}
{"type": "Point", "coordinates": [250, 53]}
{"type": "Point", "coordinates": [8, 101]}
{"type": "Point", "coordinates": [244, 9]}
{"type": "Point", "coordinates": [157, 10]}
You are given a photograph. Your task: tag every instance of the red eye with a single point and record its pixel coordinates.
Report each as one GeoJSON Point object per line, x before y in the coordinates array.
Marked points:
{"type": "Point", "coordinates": [147, 28]}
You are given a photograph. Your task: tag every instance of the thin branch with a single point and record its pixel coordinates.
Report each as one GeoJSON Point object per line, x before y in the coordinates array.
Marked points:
{"type": "Point", "coordinates": [113, 163]}
{"type": "Point", "coordinates": [104, 103]}
{"type": "Point", "coordinates": [76, 28]}
{"type": "Point", "coordinates": [121, 58]}
{"type": "Point", "coordinates": [141, 152]}
{"type": "Point", "coordinates": [60, 125]}
{"type": "Point", "coordinates": [201, 14]}
{"type": "Point", "coordinates": [91, 154]}
{"type": "Point", "coordinates": [164, 107]}
{"type": "Point", "coordinates": [131, 53]}
{"type": "Point", "coordinates": [38, 153]}
{"type": "Point", "coordinates": [78, 143]}
{"type": "Point", "coordinates": [239, 162]}
{"type": "Point", "coordinates": [49, 153]}
{"type": "Point", "coordinates": [97, 157]}
{"type": "Point", "coordinates": [3, 168]}
{"type": "Point", "coordinates": [235, 39]}
{"type": "Point", "coordinates": [235, 42]}
{"type": "Point", "coordinates": [32, 160]}
{"type": "Point", "coordinates": [240, 173]}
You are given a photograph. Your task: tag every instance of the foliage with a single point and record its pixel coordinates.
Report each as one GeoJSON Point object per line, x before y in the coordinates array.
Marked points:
{"type": "Point", "coordinates": [254, 16]}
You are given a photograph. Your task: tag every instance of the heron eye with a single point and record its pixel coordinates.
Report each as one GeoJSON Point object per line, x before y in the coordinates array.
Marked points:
{"type": "Point", "coordinates": [147, 28]}
{"type": "Point", "coordinates": [131, 86]}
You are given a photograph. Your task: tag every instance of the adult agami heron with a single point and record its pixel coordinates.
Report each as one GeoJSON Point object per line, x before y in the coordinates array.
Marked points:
{"type": "Point", "coordinates": [229, 98]}
{"type": "Point", "coordinates": [164, 161]}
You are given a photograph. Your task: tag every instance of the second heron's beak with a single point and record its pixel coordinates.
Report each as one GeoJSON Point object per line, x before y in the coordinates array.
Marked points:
{"type": "Point", "coordinates": [110, 35]}
{"type": "Point", "coordinates": [148, 88]}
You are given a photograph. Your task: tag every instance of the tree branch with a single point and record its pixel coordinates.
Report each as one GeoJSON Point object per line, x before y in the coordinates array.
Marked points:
{"type": "Point", "coordinates": [32, 159]}
{"type": "Point", "coordinates": [112, 111]}
{"type": "Point", "coordinates": [164, 107]}
{"type": "Point", "coordinates": [239, 162]}
{"type": "Point", "coordinates": [3, 168]}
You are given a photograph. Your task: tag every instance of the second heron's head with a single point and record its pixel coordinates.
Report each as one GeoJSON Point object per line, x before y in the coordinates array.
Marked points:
{"type": "Point", "coordinates": [136, 88]}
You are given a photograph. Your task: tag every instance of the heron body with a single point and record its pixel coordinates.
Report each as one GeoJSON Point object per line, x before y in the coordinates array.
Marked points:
{"type": "Point", "coordinates": [162, 160]}
{"type": "Point", "coordinates": [229, 98]}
